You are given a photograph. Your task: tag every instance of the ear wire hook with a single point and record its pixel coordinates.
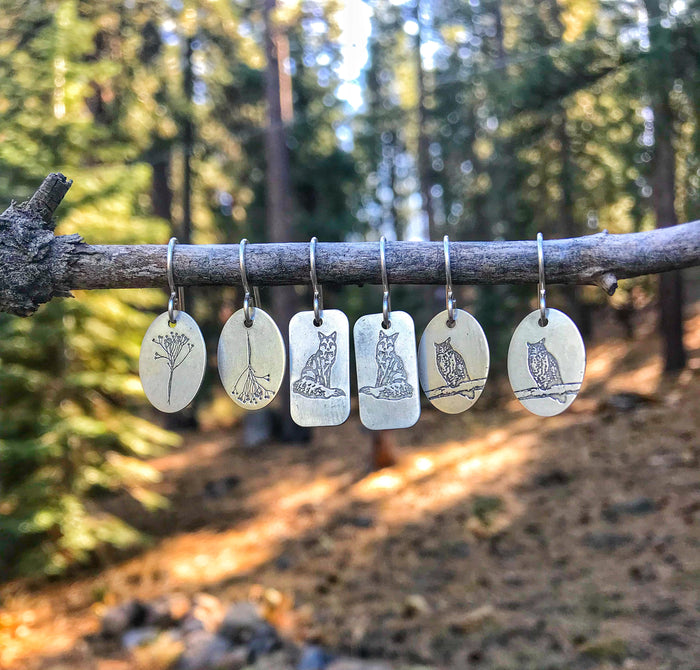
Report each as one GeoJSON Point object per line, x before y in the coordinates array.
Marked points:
{"type": "Point", "coordinates": [386, 298]}
{"type": "Point", "coordinates": [318, 290]}
{"type": "Point", "coordinates": [449, 296]}
{"type": "Point", "coordinates": [541, 287]}
{"type": "Point", "coordinates": [177, 295]}
{"type": "Point", "coordinates": [247, 314]}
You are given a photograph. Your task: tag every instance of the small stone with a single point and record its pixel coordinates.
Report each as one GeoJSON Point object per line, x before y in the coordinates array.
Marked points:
{"type": "Point", "coordinates": [555, 477]}
{"type": "Point", "coordinates": [475, 620]}
{"type": "Point", "coordinates": [191, 624]}
{"type": "Point", "coordinates": [119, 619]}
{"type": "Point", "coordinates": [607, 541]}
{"type": "Point", "coordinates": [313, 658]}
{"type": "Point", "coordinates": [220, 488]}
{"type": "Point", "coordinates": [264, 640]}
{"type": "Point", "coordinates": [203, 650]}
{"type": "Point", "coordinates": [643, 573]}
{"type": "Point", "coordinates": [137, 637]}
{"type": "Point", "coordinates": [636, 507]}
{"type": "Point", "coordinates": [360, 521]}
{"type": "Point", "coordinates": [240, 622]}
{"type": "Point", "coordinates": [415, 605]}
{"type": "Point", "coordinates": [356, 664]}
{"type": "Point", "coordinates": [605, 649]}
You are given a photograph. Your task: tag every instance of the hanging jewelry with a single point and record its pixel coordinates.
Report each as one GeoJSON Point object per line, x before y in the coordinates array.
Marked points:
{"type": "Point", "coordinates": [387, 369]}
{"type": "Point", "coordinates": [173, 355]}
{"type": "Point", "coordinates": [546, 357]}
{"type": "Point", "coordinates": [251, 353]}
{"type": "Point", "coordinates": [453, 354]}
{"type": "Point", "coordinates": [319, 361]}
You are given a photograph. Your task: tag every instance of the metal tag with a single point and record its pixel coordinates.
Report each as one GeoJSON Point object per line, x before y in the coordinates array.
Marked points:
{"type": "Point", "coordinates": [172, 362]}
{"type": "Point", "coordinates": [251, 359]}
{"type": "Point", "coordinates": [453, 361]}
{"type": "Point", "coordinates": [546, 364]}
{"type": "Point", "coordinates": [387, 371]}
{"type": "Point", "coordinates": [319, 368]}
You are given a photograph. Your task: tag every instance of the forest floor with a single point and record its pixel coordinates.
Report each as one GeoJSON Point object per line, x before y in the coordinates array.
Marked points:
{"type": "Point", "coordinates": [499, 540]}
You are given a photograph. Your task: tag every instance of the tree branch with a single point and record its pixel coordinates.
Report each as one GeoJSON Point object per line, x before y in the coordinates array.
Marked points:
{"type": "Point", "coordinates": [38, 266]}
{"type": "Point", "coordinates": [34, 262]}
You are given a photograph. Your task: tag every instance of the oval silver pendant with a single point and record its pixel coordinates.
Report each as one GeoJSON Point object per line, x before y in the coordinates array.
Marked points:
{"type": "Point", "coordinates": [172, 362]}
{"type": "Point", "coordinates": [546, 364]}
{"type": "Point", "coordinates": [251, 359]}
{"type": "Point", "coordinates": [453, 362]}
{"type": "Point", "coordinates": [319, 368]}
{"type": "Point", "coordinates": [387, 371]}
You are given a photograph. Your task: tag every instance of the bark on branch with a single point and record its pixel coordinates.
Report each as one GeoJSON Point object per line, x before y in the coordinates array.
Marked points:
{"type": "Point", "coordinates": [36, 266]}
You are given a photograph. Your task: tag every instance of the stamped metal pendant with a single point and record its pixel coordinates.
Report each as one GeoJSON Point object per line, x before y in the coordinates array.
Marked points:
{"type": "Point", "coordinates": [319, 368]}
{"type": "Point", "coordinates": [387, 371]}
{"type": "Point", "coordinates": [172, 361]}
{"type": "Point", "coordinates": [251, 359]}
{"type": "Point", "coordinates": [453, 361]}
{"type": "Point", "coordinates": [546, 363]}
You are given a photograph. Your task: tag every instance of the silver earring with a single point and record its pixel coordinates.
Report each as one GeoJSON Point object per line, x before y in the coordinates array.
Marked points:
{"type": "Point", "coordinates": [319, 360]}
{"type": "Point", "coordinates": [546, 357]}
{"type": "Point", "coordinates": [251, 354]}
{"type": "Point", "coordinates": [453, 354]}
{"type": "Point", "coordinates": [387, 369]}
{"type": "Point", "coordinates": [173, 355]}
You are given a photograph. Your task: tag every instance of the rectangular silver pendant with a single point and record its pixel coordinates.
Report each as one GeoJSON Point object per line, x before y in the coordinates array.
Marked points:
{"type": "Point", "coordinates": [387, 371]}
{"type": "Point", "coordinates": [319, 365]}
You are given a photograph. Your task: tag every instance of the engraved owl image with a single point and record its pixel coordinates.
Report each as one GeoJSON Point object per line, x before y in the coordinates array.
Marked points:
{"type": "Point", "coordinates": [544, 369]}
{"type": "Point", "coordinates": [450, 363]}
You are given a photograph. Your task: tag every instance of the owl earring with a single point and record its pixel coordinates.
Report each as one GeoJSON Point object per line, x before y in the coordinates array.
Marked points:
{"type": "Point", "coordinates": [453, 354]}
{"type": "Point", "coordinates": [319, 361]}
{"type": "Point", "coordinates": [546, 357]}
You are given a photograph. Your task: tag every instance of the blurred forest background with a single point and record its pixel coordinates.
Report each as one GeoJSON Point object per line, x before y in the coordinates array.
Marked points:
{"type": "Point", "coordinates": [281, 119]}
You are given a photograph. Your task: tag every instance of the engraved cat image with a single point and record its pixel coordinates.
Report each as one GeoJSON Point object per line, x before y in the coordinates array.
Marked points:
{"type": "Point", "coordinates": [392, 380]}
{"type": "Point", "coordinates": [315, 378]}
{"type": "Point", "coordinates": [450, 363]}
{"type": "Point", "coordinates": [544, 369]}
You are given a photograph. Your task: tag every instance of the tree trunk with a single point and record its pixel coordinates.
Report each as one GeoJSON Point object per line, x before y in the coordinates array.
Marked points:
{"type": "Point", "coordinates": [424, 161]}
{"type": "Point", "coordinates": [279, 216]}
{"type": "Point", "coordinates": [660, 80]}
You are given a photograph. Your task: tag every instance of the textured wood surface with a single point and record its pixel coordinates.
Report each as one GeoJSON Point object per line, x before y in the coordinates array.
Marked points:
{"type": "Point", "coordinates": [38, 266]}
{"type": "Point", "coordinates": [595, 259]}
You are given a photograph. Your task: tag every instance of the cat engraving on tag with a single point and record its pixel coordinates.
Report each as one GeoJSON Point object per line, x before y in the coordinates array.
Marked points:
{"type": "Point", "coordinates": [452, 368]}
{"type": "Point", "coordinates": [392, 380]}
{"type": "Point", "coordinates": [176, 348]}
{"type": "Point", "coordinates": [315, 377]}
{"type": "Point", "coordinates": [248, 387]}
{"type": "Point", "coordinates": [544, 370]}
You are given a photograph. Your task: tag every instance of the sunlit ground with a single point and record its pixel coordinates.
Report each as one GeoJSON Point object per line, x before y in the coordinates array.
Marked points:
{"type": "Point", "coordinates": [458, 521]}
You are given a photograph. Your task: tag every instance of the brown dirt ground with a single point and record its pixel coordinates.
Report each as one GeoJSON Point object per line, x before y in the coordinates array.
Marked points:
{"type": "Point", "coordinates": [486, 546]}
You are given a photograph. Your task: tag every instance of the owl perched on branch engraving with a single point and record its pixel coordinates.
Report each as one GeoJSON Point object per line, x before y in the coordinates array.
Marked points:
{"type": "Point", "coordinates": [544, 369]}
{"type": "Point", "coordinates": [450, 363]}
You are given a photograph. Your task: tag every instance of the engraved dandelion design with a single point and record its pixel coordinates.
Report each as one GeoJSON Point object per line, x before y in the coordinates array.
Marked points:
{"type": "Point", "coordinates": [544, 369]}
{"type": "Point", "coordinates": [315, 378]}
{"type": "Point", "coordinates": [248, 387]}
{"type": "Point", "coordinates": [392, 379]}
{"type": "Point", "coordinates": [175, 350]}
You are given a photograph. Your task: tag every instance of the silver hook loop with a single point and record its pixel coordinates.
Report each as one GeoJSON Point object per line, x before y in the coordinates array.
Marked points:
{"type": "Point", "coordinates": [318, 290]}
{"type": "Point", "coordinates": [386, 298]}
{"type": "Point", "coordinates": [449, 296]}
{"type": "Point", "coordinates": [541, 287]}
{"type": "Point", "coordinates": [177, 295]}
{"type": "Point", "coordinates": [247, 314]}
